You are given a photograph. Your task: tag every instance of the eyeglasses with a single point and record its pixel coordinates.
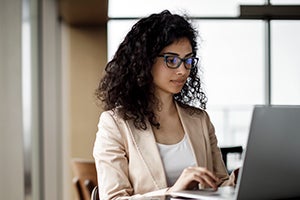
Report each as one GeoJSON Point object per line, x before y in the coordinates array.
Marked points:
{"type": "Point", "coordinates": [173, 61]}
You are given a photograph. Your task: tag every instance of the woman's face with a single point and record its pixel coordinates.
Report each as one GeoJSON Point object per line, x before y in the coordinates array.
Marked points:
{"type": "Point", "coordinates": [167, 80]}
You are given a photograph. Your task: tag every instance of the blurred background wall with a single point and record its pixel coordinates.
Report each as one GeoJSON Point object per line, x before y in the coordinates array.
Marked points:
{"type": "Point", "coordinates": [52, 56]}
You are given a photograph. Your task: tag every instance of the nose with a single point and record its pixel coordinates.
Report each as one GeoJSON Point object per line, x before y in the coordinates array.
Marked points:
{"type": "Point", "coordinates": [181, 70]}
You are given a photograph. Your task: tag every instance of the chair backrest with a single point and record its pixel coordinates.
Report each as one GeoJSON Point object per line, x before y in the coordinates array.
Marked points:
{"type": "Point", "coordinates": [85, 177]}
{"type": "Point", "coordinates": [228, 150]}
{"type": "Point", "coordinates": [95, 194]}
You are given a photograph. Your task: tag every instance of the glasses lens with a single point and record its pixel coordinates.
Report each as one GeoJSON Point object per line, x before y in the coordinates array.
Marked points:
{"type": "Point", "coordinates": [190, 62]}
{"type": "Point", "coordinates": [172, 61]}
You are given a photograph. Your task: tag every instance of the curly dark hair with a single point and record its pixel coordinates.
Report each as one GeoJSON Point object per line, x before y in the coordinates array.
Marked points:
{"type": "Point", "coordinates": [128, 83]}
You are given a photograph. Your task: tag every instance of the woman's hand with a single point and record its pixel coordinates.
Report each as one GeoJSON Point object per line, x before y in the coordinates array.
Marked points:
{"type": "Point", "coordinates": [192, 176]}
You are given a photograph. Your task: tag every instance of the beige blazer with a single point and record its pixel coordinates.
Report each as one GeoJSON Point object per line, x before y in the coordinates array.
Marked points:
{"type": "Point", "coordinates": [128, 160]}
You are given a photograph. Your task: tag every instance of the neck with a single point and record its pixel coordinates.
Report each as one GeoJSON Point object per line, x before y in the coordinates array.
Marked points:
{"type": "Point", "coordinates": [166, 106]}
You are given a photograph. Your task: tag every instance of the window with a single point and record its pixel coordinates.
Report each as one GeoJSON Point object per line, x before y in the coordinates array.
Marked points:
{"type": "Point", "coordinates": [233, 54]}
{"type": "Point", "coordinates": [203, 8]}
{"type": "Point", "coordinates": [233, 75]}
{"type": "Point", "coordinates": [285, 61]}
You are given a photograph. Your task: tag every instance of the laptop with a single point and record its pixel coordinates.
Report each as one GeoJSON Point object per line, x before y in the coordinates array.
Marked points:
{"type": "Point", "coordinates": [271, 161]}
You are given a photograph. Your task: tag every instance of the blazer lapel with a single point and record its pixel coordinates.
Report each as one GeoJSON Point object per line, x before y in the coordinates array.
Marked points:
{"type": "Point", "coordinates": [146, 146]}
{"type": "Point", "coordinates": [194, 129]}
{"type": "Point", "coordinates": [149, 153]}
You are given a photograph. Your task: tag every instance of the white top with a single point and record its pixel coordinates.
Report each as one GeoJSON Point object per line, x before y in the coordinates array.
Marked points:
{"type": "Point", "coordinates": [176, 157]}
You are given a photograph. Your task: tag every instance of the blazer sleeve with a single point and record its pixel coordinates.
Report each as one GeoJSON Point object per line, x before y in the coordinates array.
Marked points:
{"type": "Point", "coordinates": [110, 159]}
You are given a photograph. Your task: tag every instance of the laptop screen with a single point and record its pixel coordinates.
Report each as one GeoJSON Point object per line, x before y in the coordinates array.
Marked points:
{"type": "Point", "coordinates": [271, 167]}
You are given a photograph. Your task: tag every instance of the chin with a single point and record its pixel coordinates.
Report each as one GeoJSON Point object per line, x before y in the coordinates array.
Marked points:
{"type": "Point", "coordinates": [176, 91]}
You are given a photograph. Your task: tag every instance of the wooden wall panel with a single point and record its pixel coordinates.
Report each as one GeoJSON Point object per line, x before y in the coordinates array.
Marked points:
{"type": "Point", "coordinates": [84, 12]}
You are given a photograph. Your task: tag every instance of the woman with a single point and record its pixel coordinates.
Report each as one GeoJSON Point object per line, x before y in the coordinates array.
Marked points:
{"type": "Point", "coordinates": [151, 139]}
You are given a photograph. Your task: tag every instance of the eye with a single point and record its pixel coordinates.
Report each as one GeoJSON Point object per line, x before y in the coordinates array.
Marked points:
{"type": "Point", "coordinates": [171, 60]}
{"type": "Point", "coordinates": [189, 61]}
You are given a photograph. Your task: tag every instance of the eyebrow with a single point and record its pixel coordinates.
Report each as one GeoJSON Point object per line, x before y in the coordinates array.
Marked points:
{"type": "Point", "coordinates": [176, 54]}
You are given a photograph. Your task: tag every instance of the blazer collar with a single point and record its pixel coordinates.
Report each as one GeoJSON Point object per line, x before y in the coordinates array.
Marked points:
{"type": "Point", "coordinates": [193, 127]}
{"type": "Point", "coordinates": [148, 150]}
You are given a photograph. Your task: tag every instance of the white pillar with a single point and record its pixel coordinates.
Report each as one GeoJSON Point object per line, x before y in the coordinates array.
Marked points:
{"type": "Point", "coordinates": [11, 138]}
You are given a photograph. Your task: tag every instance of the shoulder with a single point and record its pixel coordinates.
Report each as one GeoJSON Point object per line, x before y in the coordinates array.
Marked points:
{"type": "Point", "coordinates": [111, 115]}
{"type": "Point", "coordinates": [192, 111]}
{"type": "Point", "coordinates": [111, 120]}
{"type": "Point", "coordinates": [111, 127]}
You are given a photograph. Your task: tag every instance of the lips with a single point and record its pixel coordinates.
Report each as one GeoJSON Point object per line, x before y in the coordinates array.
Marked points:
{"type": "Point", "coordinates": [178, 82]}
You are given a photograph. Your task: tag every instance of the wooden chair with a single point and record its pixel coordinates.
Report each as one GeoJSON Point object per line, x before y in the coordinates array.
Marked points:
{"type": "Point", "coordinates": [85, 177]}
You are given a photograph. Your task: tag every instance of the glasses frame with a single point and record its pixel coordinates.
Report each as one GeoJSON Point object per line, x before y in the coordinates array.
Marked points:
{"type": "Point", "coordinates": [165, 56]}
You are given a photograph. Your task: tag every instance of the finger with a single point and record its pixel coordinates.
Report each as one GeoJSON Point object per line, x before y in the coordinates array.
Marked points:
{"type": "Point", "coordinates": [204, 171]}
{"type": "Point", "coordinates": [202, 176]}
{"type": "Point", "coordinates": [205, 180]}
{"type": "Point", "coordinates": [211, 175]}
{"type": "Point", "coordinates": [210, 182]}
